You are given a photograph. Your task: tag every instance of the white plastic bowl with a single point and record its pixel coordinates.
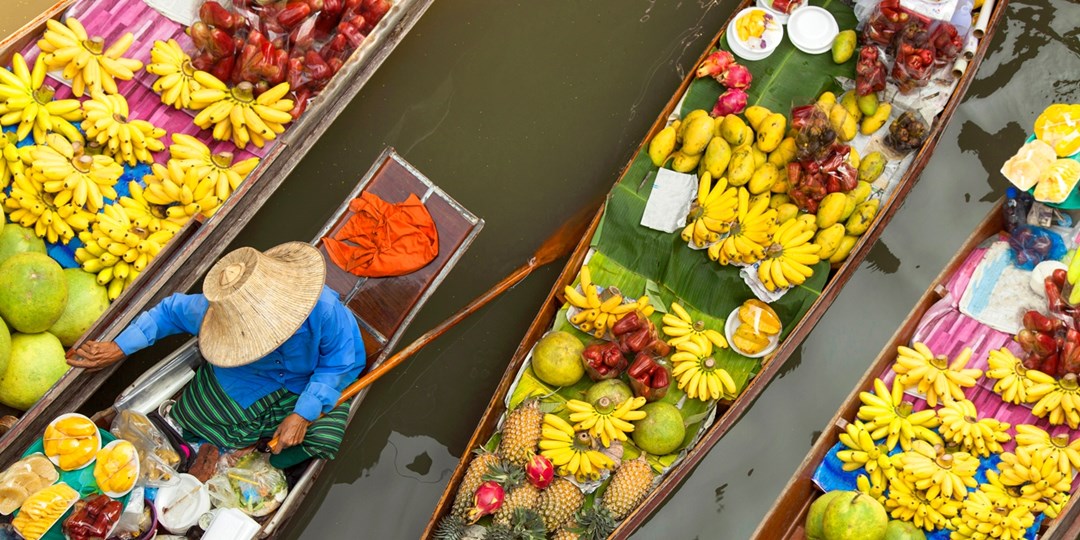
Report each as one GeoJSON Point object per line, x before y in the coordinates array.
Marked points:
{"type": "Point", "coordinates": [774, 34]}
{"type": "Point", "coordinates": [97, 436]}
{"type": "Point", "coordinates": [812, 29]}
{"type": "Point", "coordinates": [115, 494]}
{"type": "Point", "coordinates": [732, 324]}
{"type": "Point", "coordinates": [187, 514]}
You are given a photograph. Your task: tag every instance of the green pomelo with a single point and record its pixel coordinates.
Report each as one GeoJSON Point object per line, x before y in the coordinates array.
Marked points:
{"type": "Point", "coordinates": [36, 363]}
{"type": "Point", "coordinates": [855, 516]}
{"type": "Point", "coordinates": [16, 239]}
{"type": "Point", "coordinates": [33, 292]}
{"type": "Point", "coordinates": [5, 346]}
{"type": "Point", "coordinates": [903, 530]}
{"type": "Point", "coordinates": [615, 390]}
{"type": "Point", "coordinates": [86, 302]}
{"type": "Point", "coordinates": [817, 512]}
{"type": "Point", "coordinates": [661, 432]}
{"type": "Point", "coordinates": [557, 359]}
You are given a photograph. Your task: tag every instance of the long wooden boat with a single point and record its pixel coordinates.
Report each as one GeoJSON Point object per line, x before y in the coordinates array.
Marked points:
{"type": "Point", "coordinates": [727, 412]}
{"type": "Point", "coordinates": [383, 307]}
{"type": "Point", "coordinates": [786, 518]}
{"type": "Point", "coordinates": [191, 252]}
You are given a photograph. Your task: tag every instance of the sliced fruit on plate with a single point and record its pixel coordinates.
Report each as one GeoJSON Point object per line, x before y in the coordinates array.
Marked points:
{"type": "Point", "coordinates": [1059, 181]}
{"type": "Point", "coordinates": [1029, 165]}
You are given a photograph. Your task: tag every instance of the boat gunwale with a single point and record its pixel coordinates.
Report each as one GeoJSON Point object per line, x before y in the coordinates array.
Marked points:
{"type": "Point", "coordinates": [770, 366]}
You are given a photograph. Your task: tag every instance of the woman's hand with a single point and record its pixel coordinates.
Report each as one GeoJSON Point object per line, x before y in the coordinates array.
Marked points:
{"type": "Point", "coordinates": [291, 432]}
{"type": "Point", "coordinates": [94, 355]}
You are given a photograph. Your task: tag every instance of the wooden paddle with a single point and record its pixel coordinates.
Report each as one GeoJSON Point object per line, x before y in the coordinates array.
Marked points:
{"type": "Point", "coordinates": [558, 245]}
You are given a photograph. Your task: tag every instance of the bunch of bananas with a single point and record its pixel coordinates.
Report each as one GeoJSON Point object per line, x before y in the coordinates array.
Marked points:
{"type": "Point", "coordinates": [980, 518]}
{"type": "Point", "coordinates": [144, 215]}
{"type": "Point", "coordinates": [30, 206]}
{"type": "Point", "coordinates": [929, 468]}
{"type": "Point", "coordinates": [750, 25]}
{"type": "Point", "coordinates": [960, 424]}
{"type": "Point", "coordinates": [124, 139]}
{"type": "Point", "coordinates": [237, 114]}
{"type": "Point", "coordinates": [934, 375]}
{"type": "Point", "coordinates": [711, 213]}
{"type": "Point", "coordinates": [116, 250]}
{"type": "Point", "coordinates": [1011, 375]}
{"type": "Point", "coordinates": [85, 60]}
{"type": "Point", "coordinates": [1036, 473]}
{"type": "Point", "coordinates": [606, 420]}
{"type": "Point", "coordinates": [698, 373]}
{"type": "Point", "coordinates": [182, 194]}
{"type": "Point", "coordinates": [789, 258]}
{"type": "Point", "coordinates": [888, 416]}
{"type": "Point", "coordinates": [71, 175]}
{"type": "Point", "coordinates": [1061, 449]}
{"type": "Point", "coordinates": [863, 452]}
{"type": "Point", "coordinates": [572, 453]}
{"type": "Point", "coordinates": [28, 102]}
{"type": "Point", "coordinates": [864, 484]}
{"type": "Point", "coordinates": [909, 503]}
{"type": "Point", "coordinates": [176, 76]}
{"type": "Point", "coordinates": [598, 314]}
{"type": "Point", "coordinates": [752, 230]}
{"type": "Point", "coordinates": [1008, 497]}
{"type": "Point", "coordinates": [1058, 398]}
{"type": "Point", "coordinates": [218, 169]}
{"type": "Point", "coordinates": [11, 163]}
{"type": "Point", "coordinates": [679, 326]}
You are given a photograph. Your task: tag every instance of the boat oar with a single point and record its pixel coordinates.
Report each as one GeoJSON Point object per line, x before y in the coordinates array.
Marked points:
{"type": "Point", "coordinates": [555, 247]}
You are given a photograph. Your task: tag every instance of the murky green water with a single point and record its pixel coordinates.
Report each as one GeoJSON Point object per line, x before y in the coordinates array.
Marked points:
{"type": "Point", "coordinates": [524, 111]}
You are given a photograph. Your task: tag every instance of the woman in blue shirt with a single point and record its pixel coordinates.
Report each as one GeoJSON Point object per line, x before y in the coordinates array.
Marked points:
{"type": "Point", "coordinates": [280, 348]}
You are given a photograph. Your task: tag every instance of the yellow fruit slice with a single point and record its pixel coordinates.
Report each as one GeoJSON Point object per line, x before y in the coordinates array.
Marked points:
{"type": "Point", "coordinates": [1059, 126]}
{"type": "Point", "coordinates": [757, 313]}
{"type": "Point", "coordinates": [1059, 181]}
{"type": "Point", "coordinates": [1029, 165]}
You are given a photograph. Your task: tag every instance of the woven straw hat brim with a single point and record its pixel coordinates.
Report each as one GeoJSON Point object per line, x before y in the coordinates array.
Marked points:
{"type": "Point", "coordinates": [258, 301]}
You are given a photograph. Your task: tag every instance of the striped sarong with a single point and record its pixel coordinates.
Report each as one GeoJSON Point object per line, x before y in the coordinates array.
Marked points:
{"type": "Point", "coordinates": [207, 412]}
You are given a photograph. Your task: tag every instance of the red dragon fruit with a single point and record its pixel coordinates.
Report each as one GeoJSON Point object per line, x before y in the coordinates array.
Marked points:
{"type": "Point", "coordinates": [539, 471]}
{"type": "Point", "coordinates": [489, 497]}
{"type": "Point", "coordinates": [736, 76]}
{"type": "Point", "coordinates": [731, 102]}
{"type": "Point", "coordinates": [715, 64]}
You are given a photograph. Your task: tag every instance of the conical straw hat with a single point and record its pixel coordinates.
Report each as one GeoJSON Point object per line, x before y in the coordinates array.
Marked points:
{"type": "Point", "coordinates": [258, 300]}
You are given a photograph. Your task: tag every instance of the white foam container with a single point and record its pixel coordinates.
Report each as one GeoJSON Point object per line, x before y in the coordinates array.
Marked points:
{"type": "Point", "coordinates": [812, 29]}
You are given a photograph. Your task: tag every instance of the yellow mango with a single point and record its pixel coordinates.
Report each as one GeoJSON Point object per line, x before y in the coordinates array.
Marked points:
{"type": "Point", "coordinates": [784, 153]}
{"type": "Point", "coordinates": [863, 216]}
{"type": "Point", "coordinates": [870, 124]}
{"type": "Point", "coordinates": [778, 199]}
{"type": "Point", "coordinates": [786, 211]}
{"type": "Point", "coordinates": [684, 163]}
{"type": "Point", "coordinates": [733, 130]}
{"type": "Point", "coordinates": [683, 123]}
{"type": "Point", "coordinates": [871, 167]}
{"type": "Point", "coordinates": [844, 249]}
{"type": "Point", "coordinates": [809, 222]}
{"type": "Point", "coordinates": [763, 179]}
{"type": "Point", "coordinates": [829, 239]}
{"type": "Point", "coordinates": [850, 101]}
{"type": "Point", "coordinates": [843, 123]}
{"type": "Point", "coordinates": [760, 158]}
{"type": "Point", "coordinates": [755, 114]}
{"type": "Point", "coordinates": [830, 209]}
{"type": "Point", "coordinates": [662, 145]}
{"type": "Point", "coordinates": [741, 168]}
{"type": "Point", "coordinates": [826, 100]}
{"type": "Point", "coordinates": [699, 132]}
{"type": "Point", "coordinates": [716, 158]}
{"type": "Point", "coordinates": [771, 132]}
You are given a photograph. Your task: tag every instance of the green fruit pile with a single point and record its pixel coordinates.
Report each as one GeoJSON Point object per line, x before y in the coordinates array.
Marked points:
{"type": "Point", "coordinates": [850, 515]}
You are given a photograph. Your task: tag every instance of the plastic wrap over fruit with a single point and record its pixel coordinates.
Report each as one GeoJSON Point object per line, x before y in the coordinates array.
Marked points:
{"type": "Point", "coordinates": [92, 518]}
{"type": "Point", "coordinates": [43, 509]}
{"type": "Point", "coordinates": [907, 132]}
{"type": "Point", "coordinates": [24, 477]}
{"type": "Point", "coordinates": [811, 180]}
{"type": "Point", "coordinates": [814, 133]}
{"type": "Point", "coordinates": [869, 71]}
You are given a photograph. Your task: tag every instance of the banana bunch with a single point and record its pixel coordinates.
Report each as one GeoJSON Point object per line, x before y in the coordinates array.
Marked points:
{"type": "Point", "coordinates": [218, 169]}
{"type": "Point", "coordinates": [1058, 398]}
{"type": "Point", "coordinates": [144, 215]}
{"type": "Point", "coordinates": [606, 420]}
{"type": "Point", "coordinates": [124, 139]}
{"type": "Point", "coordinates": [180, 192]}
{"type": "Point", "coordinates": [930, 469]}
{"type": "Point", "coordinates": [11, 163]}
{"type": "Point", "coordinates": [864, 453]}
{"type": "Point", "coordinates": [698, 373]}
{"type": "Point", "coordinates": [597, 314]}
{"type": "Point", "coordinates": [908, 503]}
{"type": "Point", "coordinates": [176, 76]}
{"type": "Point", "coordinates": [1011, 375]}
{"type": "Point", "coordinates": [71, 175]}
{"type": "Point", "coordinates": [28, 102]}
{"type": "Point", "coordinates": [980, 518]}
{"type": "Point", "coordinates": [889, 417]}
{"type": "Point", "coordinates": [85, 60]}
{"type": "Point", "coordinates": [1008, 497]}
{"type": "Point", "coordinates": [712, 212]}
{"type": "Point", "coordinates": [30, 206]}
{"type": "Point", "coordinates": [864, 484]}
{"type": "Point", "coordinates": [679, 326]}
{"type": "Point", "coordinates": [789, 258]}
{"type": "Point", "coordinates": [572, 453]}
{"type": "Point", "coordinates": [933, 375]}
{"type": "Point", "coordinates": [116, 250]}
{"type": "Point", "coordinates": [960, 424]}
{"type": "Point", "coordinates": [1061, 449]}
{"type": "Point", "coordinates": [237, 114]}
{"type": "Point", "coordinates": [751, 231]}
{"type": "Point", "coordinates": [1036, 473]}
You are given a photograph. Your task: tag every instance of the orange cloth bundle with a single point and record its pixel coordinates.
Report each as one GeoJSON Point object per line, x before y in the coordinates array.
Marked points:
{"type": "Point", "coordinates": [383, 239]}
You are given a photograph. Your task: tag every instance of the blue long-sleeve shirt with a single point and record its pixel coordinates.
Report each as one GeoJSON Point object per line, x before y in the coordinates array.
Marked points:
{"type": "Point", "coordinates": [317, 362]}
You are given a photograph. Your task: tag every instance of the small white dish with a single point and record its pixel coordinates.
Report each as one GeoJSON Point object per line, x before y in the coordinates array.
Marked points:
{"type": "Point", "coordinates": [755, 49]}
{"type": "Point", "coordinates": [193, 499]}
{"type": "Point", "coordinates": [732, 324]}
{"type": "Point", "coordinates": [812, 29]}
{"type": "Point", "coordinates": [781, 17]}
{"type": "Point", "coordinates": [118, 494]}
{"type": "Point", "coordinates": [97, 436]}
{"type": "Point", "coordinates": [1042, 271]}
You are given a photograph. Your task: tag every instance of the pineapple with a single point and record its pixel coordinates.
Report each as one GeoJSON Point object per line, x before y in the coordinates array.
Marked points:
{"type": "Point", "coordinates": [629, 486]}
{"type": "Point", "coordinates": [523, 496]}
{"type": "Point", "coordinates": [450, 527]}
{"type": "Point", "coordinates": [524, 524]}
{"type": "Point", "coordinates": [474, 476]}
{"type": "Point", "coordinates": [559, 502]}
{"type": "Point", "coordinates": [521, 433]}
{"type": "Point", "coordinates": [595, 523]}
{"type": "Point", "coordinates": [565, 534]}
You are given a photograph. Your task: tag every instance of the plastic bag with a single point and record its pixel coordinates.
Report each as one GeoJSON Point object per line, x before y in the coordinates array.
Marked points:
{"type": "Point", "coordinates": [907, 132]}
{"type": "Point", "coordinates": [252, 486]}
{"type": "Point", "coordinates": [814, 134]}
{"type": "Point", "coordinates": [1032, 245]}
{"type": "Point", "coordinates": [157, 458]}
{"type": "Point", "coordinates": [24, 477]}
{"type": "Point", "coordinates": [92, 517]}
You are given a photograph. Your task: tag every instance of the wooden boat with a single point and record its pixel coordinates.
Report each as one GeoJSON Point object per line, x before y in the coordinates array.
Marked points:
{"type": "Point", "coordinates": [383, 307]}
{"type": "Point", "coordinates": [727, 412]}
{"type": "Point", "coordinates": [786, 518]}
{"type": "Point", "coordinates": [191, 252]}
